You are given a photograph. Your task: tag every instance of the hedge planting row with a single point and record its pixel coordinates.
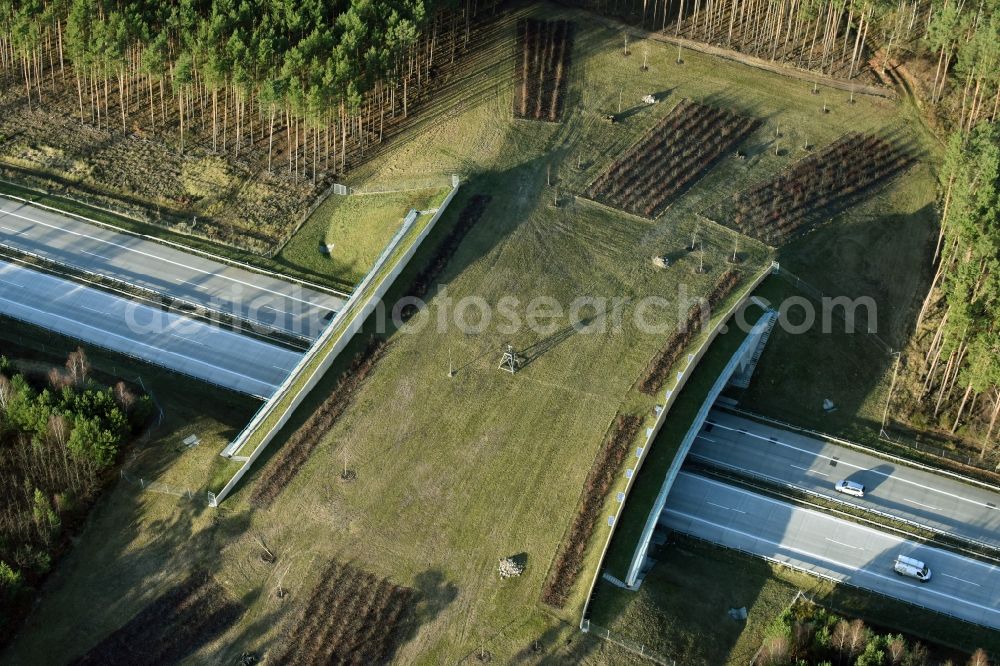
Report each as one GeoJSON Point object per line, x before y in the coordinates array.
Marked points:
{"type": "Point", "coordinates": [677, 344]}
{"type": "Point", "coordinates": [280, 471]}
{"type": "Point", "coordinates": [671, 156]}
{"type": "Point", "coordinates": [351, 617]}
{"type": "Point", "coordinates": [542, 68]}
{"type": "Point", "coordinates": [467, 218]}
{"type": "Point", "coordinates": [776, 209]}
{"type": "Point", "coordinates": [569, 561]}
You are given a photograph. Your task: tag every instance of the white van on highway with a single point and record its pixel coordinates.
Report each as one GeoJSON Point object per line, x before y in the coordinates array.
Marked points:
{"type": "Point", "coordinates": [850, 488]}
{"type": "Point", "coordinates": [907, 566]}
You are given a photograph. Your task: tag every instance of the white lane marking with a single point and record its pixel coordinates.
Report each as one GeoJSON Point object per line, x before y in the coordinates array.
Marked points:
{"type": "Point", "coordinates": [94, 254]}
{"type": "Point", "coordinates": [156, 257]}
{"type": "Point", "coordinates": [894, 579]}
{"type": "Point", "coordinates": [847, 464]}
{"type": "Point", "coordinates": [187, 339]}
{"type": "Point", "coordinates": [8, 229]}
{"type": "Point", "coordinates": [807, 469]}
{"type": "Point", "coordinates": [727, 508]}
{"type": "Point", "coordinates": [961, 579]}
{"type": "Point", "coordinates": [707, 439]}
{"type": "Point", "coordinates": [926, 506]}
{"type": "Point", "coordinates": [845, 545]}
{"type": "Point", "coordinates": [822, 516]}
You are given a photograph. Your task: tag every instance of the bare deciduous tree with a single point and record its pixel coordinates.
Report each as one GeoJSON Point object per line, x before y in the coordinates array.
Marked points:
{"type": "Point", "coordinates": [58, 379]}
{"type": "Point", "coordinates": [78, 367]}
{"type": "Point", "coordinates": [841, 637]}
{"type": "Point", "coordinates": [896, 650]}
{"type": "Point", "coordinates": [857, 637]}
{"type": "Point", "coordinates": [979, 658]}
{"type": "Point", "coordinates": [124, 397]}
{"type": "Point", "coordinates": [59, 429]}
{"type": "Point", "coordinates": [6, 392]}
{"type": "Point", "coordinates": [775, 651]}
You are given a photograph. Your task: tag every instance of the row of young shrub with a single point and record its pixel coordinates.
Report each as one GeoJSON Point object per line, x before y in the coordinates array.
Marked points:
{"type": "Point", "coordinates": [542, 68]}
{"type": "Point", "coordinates": [352, 617]}
{"type": "Point", "coordinates": [280, 471]}
{"type": "Point", "coordinates": [569, 560]}
{"type": "Point", "coordinates": [467, 218]}
{"type": "Point", "coordinates": [677, 344]}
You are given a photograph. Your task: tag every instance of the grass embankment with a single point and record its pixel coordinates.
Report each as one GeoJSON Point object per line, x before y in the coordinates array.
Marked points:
{"type": "Point", "coordinates": [881, 250]}
{"type": "Point", "coordinates": [681, 610]}
{"type": "Point", "coordinates": [356, 228]}
{"type": "Point", "coordinates": [454, 473]}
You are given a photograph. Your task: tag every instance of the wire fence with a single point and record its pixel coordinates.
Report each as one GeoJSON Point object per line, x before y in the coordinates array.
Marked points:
{"type": "Point", "coordinates": [888, 514]}
{"type": "Point", "coordinates": [149, 485]}
{"type": "Point", "coordinates": [817, 572]}
{"type": "Point", "coordinates": [866, 327]}
{"type": "Point", "coordinates": [52, 188]}
{"type": "Point", "coordinates": [988, 461]}
{"type": "Point", "coordinates": [635, 647]}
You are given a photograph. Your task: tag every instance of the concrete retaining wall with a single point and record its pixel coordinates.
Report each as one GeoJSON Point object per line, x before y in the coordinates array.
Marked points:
{"type": "Point", "coordinates": [361, 304]}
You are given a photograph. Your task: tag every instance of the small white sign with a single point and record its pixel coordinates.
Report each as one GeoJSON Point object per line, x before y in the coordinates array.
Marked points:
{"type": "Point", "coordinates": [620, 497]}
{"type": "Point", "coordinates": [629, 472]}
{"type": "Point", "coordinates": [638, 452]}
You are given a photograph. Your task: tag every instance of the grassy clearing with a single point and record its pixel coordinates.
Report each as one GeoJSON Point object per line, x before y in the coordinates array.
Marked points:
{"type": "Point", "coordinates": [681, 609]}
{"type": "Point", "coordinates": [454, 473]}
{"type": "Point", "coordinates": [357, 227]}
{"type": "Point", "coordinates": [880, 250]}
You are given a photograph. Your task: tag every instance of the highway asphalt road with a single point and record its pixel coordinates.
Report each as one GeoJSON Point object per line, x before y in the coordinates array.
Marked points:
{"type": "Point", "coordinates": [938, 501]}
{"type": "Point", "coordinates": [201, 350]}
{"type": "Point", "coordinates": [251, 296]}
{"type": "Point", "coordinates": [845, 551]}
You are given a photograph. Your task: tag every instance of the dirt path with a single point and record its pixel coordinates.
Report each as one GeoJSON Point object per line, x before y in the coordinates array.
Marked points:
{"type": "Point", "coordinates": [751, 61]}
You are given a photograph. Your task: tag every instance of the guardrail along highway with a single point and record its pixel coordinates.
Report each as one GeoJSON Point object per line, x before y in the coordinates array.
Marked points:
{"type": "Point", "coordinates": [937, 501]}
{"type": "Point", "coordinates": [832, 547]}
{"type": "Point", "coordinates": [170, 340]}
{"type": "Point", "coordinates": [253, 297]}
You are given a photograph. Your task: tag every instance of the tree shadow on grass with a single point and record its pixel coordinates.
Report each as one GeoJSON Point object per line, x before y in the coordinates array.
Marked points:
{"type": "Point", "coordinates": [432, 593]}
